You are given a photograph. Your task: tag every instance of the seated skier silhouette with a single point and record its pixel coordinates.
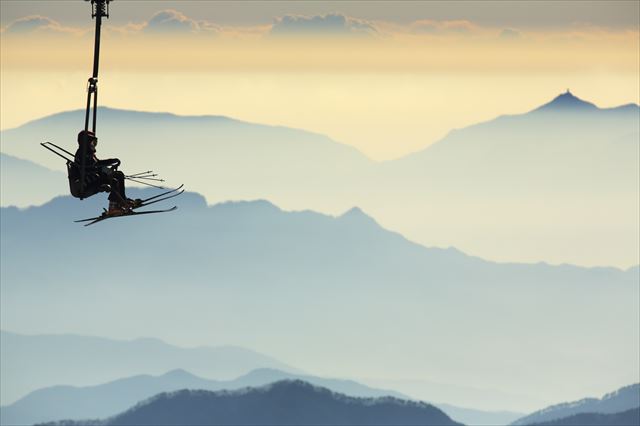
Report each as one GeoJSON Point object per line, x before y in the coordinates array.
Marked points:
{"type": "Point", "coordinates": [99, 176]}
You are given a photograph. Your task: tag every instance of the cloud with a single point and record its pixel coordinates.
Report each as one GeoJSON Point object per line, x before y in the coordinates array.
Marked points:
{"type": "Point", "coordinates": [330, 24]}
{"type": "Point", "coordinates": [124, 30]}
{"type": "Point", "coordinates": [164, 22]}
{"type": "Point", "coordinates": [38, 24]}
{"type": "Point", "coordinates": [428, 26]}
{"type": "Point", "coordinates": [510, 34]}
{"type": "Point", "coordinates": [173, 22]}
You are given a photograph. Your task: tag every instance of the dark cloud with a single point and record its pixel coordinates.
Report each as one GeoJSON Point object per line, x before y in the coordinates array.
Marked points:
{"type": "Point", "coordinates": [330, 24]}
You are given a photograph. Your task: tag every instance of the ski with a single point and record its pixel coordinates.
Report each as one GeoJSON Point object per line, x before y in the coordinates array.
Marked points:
{"type": "Point", "coordinates": [164, 193]}
{"type": "Point", "coordinates": [146, 202]}
{"type": "Point", "coordinates": [104, 216]}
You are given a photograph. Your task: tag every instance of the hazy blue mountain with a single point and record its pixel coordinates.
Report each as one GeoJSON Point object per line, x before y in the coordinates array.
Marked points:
{"type": "Point", "coordinates": [623, 399]}
{"type": "Point", "coordinates": [72, 402]}
{"type": "Point", "coordinates": [340, 295]}
{"type": "Point", "coordinates": [574, 164]}
{"type": "Point", "coordinates": [240, 159]}
{"type": "Point", "coordinates": [625, 418]}
{"type": "Point", "coordinates": [281, 403]}
{"type": "Point", "coordinates": [473, 417]}
{"type": "Point", "coordinates": [264, 376]}
{"type": "Point", "coordinates": [566, 144]}
{"type": "Point", "coordinates": [33, 362]}
{"type": "Point", "coordinates": [485, 399]}
{"type": "Point", "coordinates": [24, 183]}
{"type": "Point", "coordinates": [634, 271]}
{"type": "Point", "coordinates": [567, 102]}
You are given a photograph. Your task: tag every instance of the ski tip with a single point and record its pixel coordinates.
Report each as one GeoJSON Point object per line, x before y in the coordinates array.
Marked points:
{"type": "Point", "coordinates": [86, 220]}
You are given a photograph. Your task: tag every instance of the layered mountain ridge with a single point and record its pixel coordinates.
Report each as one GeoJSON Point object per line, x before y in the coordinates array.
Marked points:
{"type": "Point", "coordinates": [72, 402]}
{"type": "Point", "coordinates": [623, 399]}
{"type": "Point", "coordinates": [84, 361]}
{"type": "Point", "coordinates": [206, 264]}
{"type": "Point", "coordinates": [291, 402]}
{"type": "Point", "coordinates": [625, 418]}
{"type": "Point", "coordinates": [565, 160]}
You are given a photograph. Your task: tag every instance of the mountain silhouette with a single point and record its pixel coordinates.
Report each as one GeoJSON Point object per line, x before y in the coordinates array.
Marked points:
{"type": "Point", "coordinates": [565, 159]}
{"type": "Point", "coordinates": [566, 137]}
{"type": "Point", "coordinates": [72, 402]}
{"type": "Point", "coordinates": [475, 417]}
{"type": "Point", "coordinates": [266, 278]}
{"type": "Point", "coordinates": [37, 184]}
{"type": "Point", "coordinates": [84, 361]}
{"type": "Point", "coordinates": [253, 159]}
{"type": "Point", "coordinates": [625, 418]}
{"type": "Point", "coordinates": [567, 102]}
{"type": "Point", "coordinates": [621, 400]}
{"type": "Point", "coordinates": [283, 403]}
{"type": "Point", "coordinates": [89, 402]}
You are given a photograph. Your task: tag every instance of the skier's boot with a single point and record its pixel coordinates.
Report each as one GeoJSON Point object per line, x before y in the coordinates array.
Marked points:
{"type": "Point", "coordinates": [134, 203]}
{"type": "Point", "coordinates": [115, 209]}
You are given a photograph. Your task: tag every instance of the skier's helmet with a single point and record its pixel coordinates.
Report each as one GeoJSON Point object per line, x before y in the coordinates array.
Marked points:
{"type": "Point", "coordinates": [87, 135]}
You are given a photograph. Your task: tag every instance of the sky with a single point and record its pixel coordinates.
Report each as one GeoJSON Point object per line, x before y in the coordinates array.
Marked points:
{"type": "Point", "coordinates": [388, 78]}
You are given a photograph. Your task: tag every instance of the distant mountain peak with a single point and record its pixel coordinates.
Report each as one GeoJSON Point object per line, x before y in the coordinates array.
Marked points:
{"type": "Point", "coordinates": [178, 373]}
{"type": "Point", "coordinates": [283, 402]}
{"type": "Point", "coordinates": [264, 372]}
{"type": "Point", "coordinates": [354, 211]}
{"type": "Point", "coordinates": [567, 101]}
{"type": "Point", "coordinates": [357, 217]}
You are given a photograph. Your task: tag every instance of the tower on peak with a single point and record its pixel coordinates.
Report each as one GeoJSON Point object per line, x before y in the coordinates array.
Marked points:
{"type": "Point", "coordinates": [567, 102]}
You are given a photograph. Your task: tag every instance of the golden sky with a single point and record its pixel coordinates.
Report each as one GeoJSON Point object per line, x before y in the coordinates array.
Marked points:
{"type": "Point", "coordinates": [387, 87]}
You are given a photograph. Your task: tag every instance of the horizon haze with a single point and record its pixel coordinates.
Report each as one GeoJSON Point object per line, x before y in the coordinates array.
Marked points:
{"type": "Point", "coordinates": [557, 184]}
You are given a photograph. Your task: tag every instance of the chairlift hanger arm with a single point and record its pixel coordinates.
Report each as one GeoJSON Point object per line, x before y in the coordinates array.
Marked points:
{"type": "Point", "coordinates": [60, 152]}
{"type": "Point", "coordinates": [99, 10]}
